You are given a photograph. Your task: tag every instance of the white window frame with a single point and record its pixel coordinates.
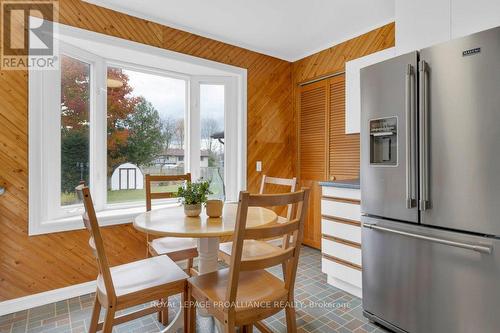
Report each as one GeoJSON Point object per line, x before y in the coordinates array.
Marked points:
{"type": "Point", "coordinates": [231, 164]}
{"type": "Point", "coordinates": [187, 148]}
{"type": "Point", "coordinates": [45, 212]}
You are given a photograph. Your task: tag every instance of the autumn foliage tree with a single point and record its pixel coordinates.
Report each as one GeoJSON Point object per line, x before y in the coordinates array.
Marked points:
{"type": "Point", "coordinates": [75, 107]}
{"type": "Point", "coordinates": [75, 119]}
{"type": "Point", "coordinates": [120, 105]}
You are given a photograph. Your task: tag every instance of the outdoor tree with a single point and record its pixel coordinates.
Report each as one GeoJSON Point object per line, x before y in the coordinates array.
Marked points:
{"type": "Point", "coordinates": [120, 105]}
{"type": "Point", "coordinates": [74, 160]}
{"type": "Point", "coordinates": [75, 94]}
{"type": "Point", "coordinates": [169, 127]}
{"type": "Point", "coordinates": [75, 97]}
{"type": "Point", "coordinates": [146, 136]}
{"type": "Point", "coordinates": [75, 108]}
{"type": "Point", "coordinates": [209, 126]}
{"type": "Point", "coordinates": [179, 133]}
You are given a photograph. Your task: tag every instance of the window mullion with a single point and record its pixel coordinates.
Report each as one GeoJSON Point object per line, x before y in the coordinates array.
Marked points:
{"type": "Point", "coordinates": [98, 144]}
{"type": "Point", "coordinates": [193, 130]}
{"type": "Point", "coordinates": [51, 143]}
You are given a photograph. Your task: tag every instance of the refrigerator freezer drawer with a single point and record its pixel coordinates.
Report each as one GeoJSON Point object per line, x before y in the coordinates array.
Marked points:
{"type": "Point", "coordinates": [341, 230]}
{"type": "Point", "coordinates": [342, 251]}
{"type": "Point", "coordinates": [426, 280]}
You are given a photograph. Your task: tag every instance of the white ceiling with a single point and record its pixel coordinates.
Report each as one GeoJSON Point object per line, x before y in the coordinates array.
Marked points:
{"type": "Point", "coordinates": [287, 29]}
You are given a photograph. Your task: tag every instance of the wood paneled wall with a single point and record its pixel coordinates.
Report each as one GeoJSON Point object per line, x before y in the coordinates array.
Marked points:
{"type": "Point", "coordinates": [341, 156]}
{"type": "Point", "coordinates": [31, 265]}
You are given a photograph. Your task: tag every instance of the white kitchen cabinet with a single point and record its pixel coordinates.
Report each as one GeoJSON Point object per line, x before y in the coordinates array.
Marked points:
{"type": "Point", "coordinates": [341, 237]}
{"type": "Point", "coordinates": [468, 17]}
{"type": "Point", "coordinates": [352, 87]}
{"type": "Point", "coordinates": [423, 23]}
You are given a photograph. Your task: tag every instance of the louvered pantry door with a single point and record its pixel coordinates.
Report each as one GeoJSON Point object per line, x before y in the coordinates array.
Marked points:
{"type": "Point", "coordinates": [313, 152]}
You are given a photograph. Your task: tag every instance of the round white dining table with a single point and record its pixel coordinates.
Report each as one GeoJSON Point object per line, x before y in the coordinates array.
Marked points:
{"type": "Point", "coordinates": [172, 222]}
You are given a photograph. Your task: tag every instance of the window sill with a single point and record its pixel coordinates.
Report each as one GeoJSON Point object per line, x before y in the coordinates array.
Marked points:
{"type": "Point", "coordinates": [114, 215]}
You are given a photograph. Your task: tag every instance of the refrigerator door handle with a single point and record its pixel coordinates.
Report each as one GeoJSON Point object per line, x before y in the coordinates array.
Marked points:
{"type": "Point", "coordinates": [424, 203]}
{"type": "Point", "coordinates": [474, 247]}
{"type": "Point", "coordinates": [410, 160]}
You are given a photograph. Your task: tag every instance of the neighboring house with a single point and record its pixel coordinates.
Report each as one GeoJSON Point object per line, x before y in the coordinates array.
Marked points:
{"type": "Point", "coordinates": [175, 156]}
{"type": "Point", "coordinates": [127, 177]}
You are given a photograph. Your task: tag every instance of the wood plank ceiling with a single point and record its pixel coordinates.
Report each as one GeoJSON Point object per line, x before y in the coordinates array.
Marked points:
{"type": "Point", "coordinates": [31, 265]}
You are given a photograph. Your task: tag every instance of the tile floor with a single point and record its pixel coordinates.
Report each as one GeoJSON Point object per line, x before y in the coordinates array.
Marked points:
{"type": "Point", "coordinates": [342, 313]}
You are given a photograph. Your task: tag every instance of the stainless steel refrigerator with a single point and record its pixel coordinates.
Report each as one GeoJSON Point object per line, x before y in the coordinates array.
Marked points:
{"type": "Point", "coordinates": [430, 188]}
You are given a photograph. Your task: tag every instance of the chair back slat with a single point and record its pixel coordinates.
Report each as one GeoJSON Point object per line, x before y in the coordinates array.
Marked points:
{"type": "Point", "coordinates": [290, 182]}
{"type": "Point", "coordinates": [273, 230]}
{"type": "Point", "coordinates": [162, 178]}
{"type": "Point", "coordinates": [263, 262]}
{"type": "Point", "coordinates": [163, 195]}
{"type": "Point", "coordinates": [289, 254]}
{"type": "Point", "coordinates": [282, 199]}
{"type": "Point", "coordinates": [95, 241]}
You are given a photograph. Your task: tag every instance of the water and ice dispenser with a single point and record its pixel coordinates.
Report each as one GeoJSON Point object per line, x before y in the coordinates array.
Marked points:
{"type": "Point", "coordinates": [384, 141]}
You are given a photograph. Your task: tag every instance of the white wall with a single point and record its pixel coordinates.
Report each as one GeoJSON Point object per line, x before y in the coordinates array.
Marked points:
{"type": "Point", "coordinates": [423, 23]}
{"type": "Point", "coordinates": [470, 16]}
{"type": "Point", "coordinates": [353, 87]}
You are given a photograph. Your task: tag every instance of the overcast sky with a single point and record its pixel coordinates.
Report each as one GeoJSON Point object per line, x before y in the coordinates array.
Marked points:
{"type": "Point", "coordinates": [168, 95]}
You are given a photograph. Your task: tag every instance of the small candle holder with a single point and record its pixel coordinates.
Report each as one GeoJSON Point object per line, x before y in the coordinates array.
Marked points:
{"type": "Point", "coordinates": [214, 208]}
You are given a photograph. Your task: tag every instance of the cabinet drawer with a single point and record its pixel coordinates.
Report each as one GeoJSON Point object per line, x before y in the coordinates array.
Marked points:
{"type": "Point", "coordinates": [344, 210]}
{"type": "Point", "coordinates": [347, 252]}
{"type": "Point", "coordinates": [340, 229]}
{"type": "Point", "coordinates": [347, 193]}
{"type": "Point", "coordinates": [341, 271]}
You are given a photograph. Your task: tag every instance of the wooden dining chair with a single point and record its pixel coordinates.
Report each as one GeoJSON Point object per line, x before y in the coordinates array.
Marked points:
{"type": "Point", "coordinates": [128, 285]}
{"type": "Point", "coordinates": [258, 247]}
{"type": "Point", "coordinates": [246, 293]}
{"type": "Point", "coordinates": [177, 249]}
{"type": "Point", "coordinates": [286, 182]}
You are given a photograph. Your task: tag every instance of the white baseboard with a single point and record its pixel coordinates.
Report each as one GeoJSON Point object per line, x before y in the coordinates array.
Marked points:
{"type": "Point", "coordinates": [51, 296]}
{"type": "Point", "coordinates": [345, 286]}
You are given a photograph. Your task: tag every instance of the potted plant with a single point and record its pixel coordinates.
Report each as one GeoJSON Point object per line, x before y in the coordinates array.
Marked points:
{"type": "Point", "coordinates": [192, 195]}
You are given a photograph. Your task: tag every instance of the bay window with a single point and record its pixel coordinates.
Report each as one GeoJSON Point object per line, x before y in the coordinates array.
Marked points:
{"type": "Point", "coordinates": [107, 121]}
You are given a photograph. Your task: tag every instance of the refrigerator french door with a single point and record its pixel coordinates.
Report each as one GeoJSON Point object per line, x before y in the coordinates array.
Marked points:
{"type": "Point", "coordinates": [460, 143]}
{"type": "Point", "coordinates": [388, 136]}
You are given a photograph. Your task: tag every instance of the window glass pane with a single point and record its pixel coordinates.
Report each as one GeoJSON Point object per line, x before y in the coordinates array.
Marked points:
{"type": "Point", "coordinates": [75, 108]}
{"type": "Point", "coordinates": [212, 137]}
{"type": "Point", "coordinates": [145, 131]}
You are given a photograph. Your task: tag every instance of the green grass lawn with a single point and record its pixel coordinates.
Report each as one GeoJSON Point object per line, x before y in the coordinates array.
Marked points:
{"type": "Point", "coordinates": [121, 195]}
{"type": "Point", "coordinates": [137, 195]}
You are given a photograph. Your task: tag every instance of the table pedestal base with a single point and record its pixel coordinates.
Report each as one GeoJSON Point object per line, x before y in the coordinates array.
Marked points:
{"type": "Point", "coordinates": [208, 249]}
